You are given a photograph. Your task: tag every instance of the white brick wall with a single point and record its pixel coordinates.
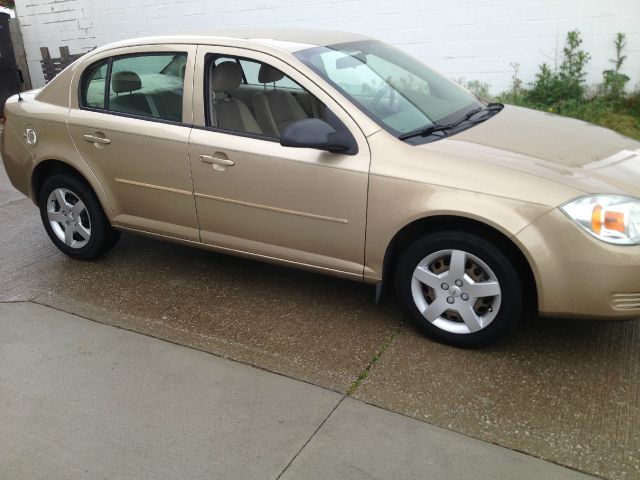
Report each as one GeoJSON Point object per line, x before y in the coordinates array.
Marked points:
{"type": "Point", "coordinates": [471, 39]}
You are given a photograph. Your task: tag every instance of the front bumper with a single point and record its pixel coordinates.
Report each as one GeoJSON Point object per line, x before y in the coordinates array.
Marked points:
{"type": "Point", "coordinates": [578, 275]}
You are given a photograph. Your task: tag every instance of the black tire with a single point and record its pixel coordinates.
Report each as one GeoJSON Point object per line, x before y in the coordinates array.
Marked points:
{"type": "Point", "coordinates": [103, 236]}
{"type": "Point", "coordinates": [510, 307]}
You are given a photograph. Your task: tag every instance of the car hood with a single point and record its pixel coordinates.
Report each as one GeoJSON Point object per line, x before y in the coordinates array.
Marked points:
{"type": "Point", "coordinates": [561, 149]}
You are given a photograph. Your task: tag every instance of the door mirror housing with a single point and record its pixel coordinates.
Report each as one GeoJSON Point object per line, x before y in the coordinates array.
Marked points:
{"type": "Point", "coordinates": [318, 134]}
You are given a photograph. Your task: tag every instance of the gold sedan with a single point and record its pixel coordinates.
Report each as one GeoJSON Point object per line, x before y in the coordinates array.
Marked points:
{"type": "Point", "coordinates": [340, 154]}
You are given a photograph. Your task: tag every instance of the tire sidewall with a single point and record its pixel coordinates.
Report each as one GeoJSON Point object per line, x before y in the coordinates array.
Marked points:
{"type": "Point", "coordinates": [99, 223]}
{"type": "Point", "coordinates": [510, 285]}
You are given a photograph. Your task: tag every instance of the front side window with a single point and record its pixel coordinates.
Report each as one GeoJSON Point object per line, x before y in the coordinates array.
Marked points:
{"type": "Point", "coordinates": [143, 85]}
{"type": "Point", "coordinates": [252, 77]}
{"type": "Point", "coordinates": [398, 92]}
{"type": "Point", "coordinates": [251, 97]}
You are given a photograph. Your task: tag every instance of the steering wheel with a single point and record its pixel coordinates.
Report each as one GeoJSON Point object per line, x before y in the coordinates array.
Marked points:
{"type": "Point", "coordinates": [378, 96]}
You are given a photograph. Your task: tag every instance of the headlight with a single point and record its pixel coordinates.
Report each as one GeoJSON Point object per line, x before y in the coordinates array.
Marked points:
{"type": "Point", "coordinates": [611, 218]}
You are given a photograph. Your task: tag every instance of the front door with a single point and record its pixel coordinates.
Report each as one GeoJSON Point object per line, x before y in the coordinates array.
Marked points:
{"type": "Point", "coordinates": [252, 195]}
{"type": "Point", "coordinates": [132, 128]}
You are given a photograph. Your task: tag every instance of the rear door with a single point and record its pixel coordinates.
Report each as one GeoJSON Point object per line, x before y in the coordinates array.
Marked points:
{"type": "Point", "coordinates": [296, 204]}
{"type": "Point", "coordinates": [131, 124]}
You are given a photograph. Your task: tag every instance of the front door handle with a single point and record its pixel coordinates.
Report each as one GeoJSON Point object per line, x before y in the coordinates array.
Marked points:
{"type": "Point", "coordinates": [219, 161]}
{"type": "Point", "coordinates": [95, 139]}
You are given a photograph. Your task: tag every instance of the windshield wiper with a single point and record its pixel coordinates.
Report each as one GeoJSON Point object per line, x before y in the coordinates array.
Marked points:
{"type": "Point", "coordinates": [425, 132]}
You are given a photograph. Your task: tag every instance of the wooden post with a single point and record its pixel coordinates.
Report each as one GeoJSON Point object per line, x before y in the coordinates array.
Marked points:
{"type": "Point", "coordinates": [48, 69]}
{"type": "Point", "coordinates": [44, 51]}
{"type": "Point", "coordinates": [53, 66]}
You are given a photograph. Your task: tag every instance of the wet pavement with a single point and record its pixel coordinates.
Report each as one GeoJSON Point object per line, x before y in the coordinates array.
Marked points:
{"type": "Point", "coordinates": [312, 327]}
{"type": "Point", "coordinates": [566, 391]}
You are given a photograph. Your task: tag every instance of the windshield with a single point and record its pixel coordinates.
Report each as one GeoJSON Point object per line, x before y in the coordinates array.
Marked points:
{"type": "Point", "coordinates": [401, 94]}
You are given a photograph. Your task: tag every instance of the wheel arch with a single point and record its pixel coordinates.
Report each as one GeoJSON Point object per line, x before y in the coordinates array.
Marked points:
{"type": "Point", "coordinates": [420, 227]}
{"type": "Point", "coordinates": [49, 167]}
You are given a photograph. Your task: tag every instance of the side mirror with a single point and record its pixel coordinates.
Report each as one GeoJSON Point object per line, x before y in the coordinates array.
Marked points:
{"type": "Point", "coordinates": [318, 134]}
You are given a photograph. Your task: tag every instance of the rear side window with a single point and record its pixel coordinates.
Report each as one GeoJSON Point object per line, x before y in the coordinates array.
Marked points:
{"type": "Point", "coordinates": [93, 85]}
{"type": "Point", "coordinates": [143, 85]}
{"type": "Point", "coordinates": [147, 85]}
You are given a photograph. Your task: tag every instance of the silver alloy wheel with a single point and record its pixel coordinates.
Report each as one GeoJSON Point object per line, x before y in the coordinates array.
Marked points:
{"type": "Point", "coordinates": [69, 218]}
{"type": "Point", "coordinates": [456, 291]}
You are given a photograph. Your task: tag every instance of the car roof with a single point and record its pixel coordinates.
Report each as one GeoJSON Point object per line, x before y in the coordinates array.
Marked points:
{"type": "Point", "coordinates": [290, 40]}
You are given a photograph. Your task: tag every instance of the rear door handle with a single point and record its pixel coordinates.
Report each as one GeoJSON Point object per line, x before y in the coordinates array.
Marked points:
{"type": "Point", "coordinates": [219, 161]}
{"type": "Point", "coordinates": [95, 139]}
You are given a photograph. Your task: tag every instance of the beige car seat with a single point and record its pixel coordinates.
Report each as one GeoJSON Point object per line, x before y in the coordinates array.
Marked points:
{"type": "Point", "coordinates": [275, 109]}
{"type": "Point", "coordinates": [227, 112]}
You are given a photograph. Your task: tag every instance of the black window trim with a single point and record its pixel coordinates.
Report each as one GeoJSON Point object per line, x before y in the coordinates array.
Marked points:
{"type": "Point", "coordinates": [107, 85]}
{"type": "Point", "coordinates": [107, 89]}
{"type": "Point", "coordinates": [81, 84]}
{"type": "Point", "coordinates": [255, 136]}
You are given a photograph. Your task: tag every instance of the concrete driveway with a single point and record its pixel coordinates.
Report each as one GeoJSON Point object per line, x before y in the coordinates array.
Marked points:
{"type": "Point", "coordinates": [564, 391]}
{"type": "Point", "coordinates": [83, 400]}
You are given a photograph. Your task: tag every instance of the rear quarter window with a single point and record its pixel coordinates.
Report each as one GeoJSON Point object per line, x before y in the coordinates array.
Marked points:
{"type": "Point", "coordinates": [93, 84]}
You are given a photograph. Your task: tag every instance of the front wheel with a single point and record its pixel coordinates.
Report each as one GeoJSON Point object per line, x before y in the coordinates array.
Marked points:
{"type": "Point", "coordinates": [73, 218]}
{"type": "Point", "coordinates": [459, 289]}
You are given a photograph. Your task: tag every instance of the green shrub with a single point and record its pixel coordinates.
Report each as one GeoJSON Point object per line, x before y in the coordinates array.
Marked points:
{"type": "Point", "coordinates": [632, 104]}
{"type": "Point", "coordinates": [614, 80]}
{"type": "Point", "coordinates": [565, 82]}
{"type": "Point", "coordinates": [562, 90]}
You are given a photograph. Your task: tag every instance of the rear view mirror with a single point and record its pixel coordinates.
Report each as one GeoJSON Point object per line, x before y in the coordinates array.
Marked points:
{"type": "Point", "coordinates": [351, 61]}
{"type": "Point", "coordinates": [318, 134]}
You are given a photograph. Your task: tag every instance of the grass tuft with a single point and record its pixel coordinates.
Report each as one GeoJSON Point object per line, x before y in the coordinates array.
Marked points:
{"type": "Point", "coordinates": [376, 358]}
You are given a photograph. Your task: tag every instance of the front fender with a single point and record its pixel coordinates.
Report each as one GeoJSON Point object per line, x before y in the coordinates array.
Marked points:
{"type": "Point", "coordinates": [395, 203]}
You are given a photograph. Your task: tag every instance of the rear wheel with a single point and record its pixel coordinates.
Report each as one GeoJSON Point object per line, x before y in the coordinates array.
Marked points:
{"type": "Point", "coordinates": [74, 219]}
{"type": "Point", "coordinates": [459, 289]}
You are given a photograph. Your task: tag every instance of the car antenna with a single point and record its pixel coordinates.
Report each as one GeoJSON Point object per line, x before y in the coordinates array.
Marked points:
{"type": "Point", "coordinates": [20, 82]}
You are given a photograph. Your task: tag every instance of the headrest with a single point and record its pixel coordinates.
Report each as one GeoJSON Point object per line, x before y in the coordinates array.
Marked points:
{"type": "Point", "coordinates": [268, 74]}
{"type": "Point", "coordinates": [125, 82]}
{"type": "Point", "coordinates": [227, 77]}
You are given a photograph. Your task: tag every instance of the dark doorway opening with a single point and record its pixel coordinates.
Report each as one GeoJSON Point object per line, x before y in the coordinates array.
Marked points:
{"type": "Point", "coordinates": [9, 75]}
